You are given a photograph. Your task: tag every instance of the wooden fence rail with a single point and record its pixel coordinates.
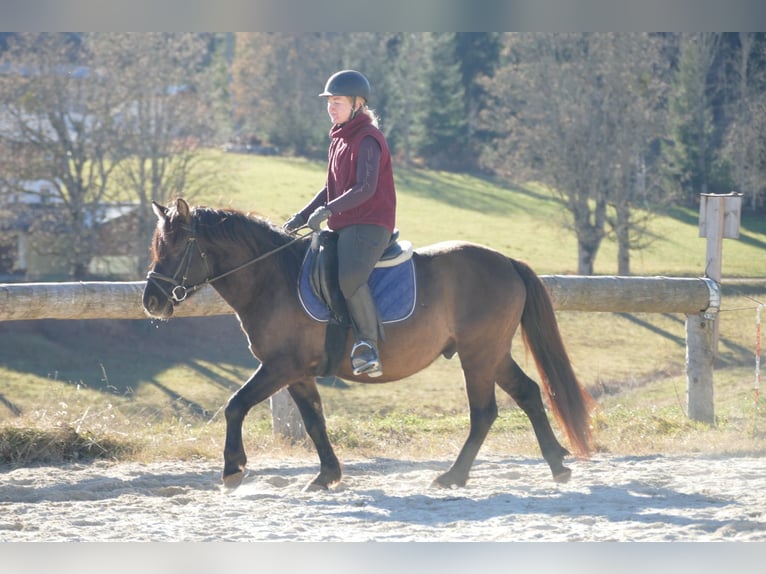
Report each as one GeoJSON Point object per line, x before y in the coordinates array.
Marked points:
{"type": "Point", "coordinates": [122, 300]}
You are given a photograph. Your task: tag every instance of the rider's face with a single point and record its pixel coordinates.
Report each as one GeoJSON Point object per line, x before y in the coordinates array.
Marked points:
{"type": "Point", "coordinates": [339, 109]}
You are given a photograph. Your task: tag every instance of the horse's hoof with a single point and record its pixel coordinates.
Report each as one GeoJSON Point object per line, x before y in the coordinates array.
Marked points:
{"type": "Point", "coordinates": [323, 481]}
{"type": "Point", "coordinates": [314, 486]}
{"type": "Point", "coordinates": [232, 481]}
{"type": "Point", "coordinates": [446, 481]}
{"type": "Point", "coordinates": [562, 476]}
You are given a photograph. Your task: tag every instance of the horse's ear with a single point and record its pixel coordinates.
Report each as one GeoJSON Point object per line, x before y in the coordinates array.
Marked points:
{"type": "Point", "coordinates": [160, 211]}
{"type": "Point", "coordinates": [183, 209]}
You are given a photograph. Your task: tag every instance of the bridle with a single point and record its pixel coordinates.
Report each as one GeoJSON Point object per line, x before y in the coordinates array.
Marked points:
{"type": "Point", "coordinates": [178, 290]}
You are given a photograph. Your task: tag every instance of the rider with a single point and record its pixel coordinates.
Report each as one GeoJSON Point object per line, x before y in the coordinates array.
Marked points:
{"type": "Point", "coordinates": [359, 203]}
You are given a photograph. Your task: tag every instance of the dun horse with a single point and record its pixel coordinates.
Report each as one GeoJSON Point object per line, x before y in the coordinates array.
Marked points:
{"type": "Point", "coordinates": [470, 302]}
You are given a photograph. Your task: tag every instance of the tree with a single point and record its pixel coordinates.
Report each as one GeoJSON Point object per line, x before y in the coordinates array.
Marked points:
{"type": "Point", "coordinates": [105, 118]}
{"type": "Point", "coordinates": [690, 151]}
{"type": "Point", "coordinates": [478, 54]}
{"type": "Point", "coordinates": [635, 79]}
{"type": "Point", "coordinates": [389, 61]}
{"type": "Point", "coordinates": [166, 106]}
{"type": "Point", "coordinates": [276, 78]}
{"type": "Point", "coordinates": [578, 112]}
{"type": "Point", "coordinates": [420, 83]}
{"type": "Point", "coordinates": [58, 115]}
{"type": "Point", "coordinates": [406, 88]}
{"type": "Point", "coordinates": [441, 120]}
{"type": "Point", "coordinates": [745, 141]}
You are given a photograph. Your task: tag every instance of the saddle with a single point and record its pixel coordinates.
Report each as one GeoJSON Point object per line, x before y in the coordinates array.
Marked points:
{"type": "Point", "coordinates": [392, 284]}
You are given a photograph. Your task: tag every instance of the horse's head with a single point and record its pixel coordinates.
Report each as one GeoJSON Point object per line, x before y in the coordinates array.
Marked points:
{"type": "Point", "coordinates": [178, 264]}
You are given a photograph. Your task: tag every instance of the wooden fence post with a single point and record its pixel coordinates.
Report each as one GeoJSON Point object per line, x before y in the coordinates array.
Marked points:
{"type": "Point", "coordinates": [700, 354]}
{"type": "Point", "coordinates": [718, 218]}
{"type": "Point", "coordinates": [286, 420]}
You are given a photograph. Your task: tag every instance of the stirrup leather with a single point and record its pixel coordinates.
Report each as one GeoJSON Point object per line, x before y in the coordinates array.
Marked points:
{"type": "Point", "coordinates": [368, 362]}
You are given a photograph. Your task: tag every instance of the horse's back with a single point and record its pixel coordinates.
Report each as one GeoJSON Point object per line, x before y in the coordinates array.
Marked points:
{"type": "Point", "coordinates": [469, 264]}
{"type": "Point", "coordinates": [468, 281]}
{"type": "Point", "coordinates": [459, 247]}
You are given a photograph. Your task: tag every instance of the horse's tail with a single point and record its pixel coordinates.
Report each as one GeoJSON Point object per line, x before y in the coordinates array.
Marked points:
{"type": "Point", "coordinates": [570, 402]}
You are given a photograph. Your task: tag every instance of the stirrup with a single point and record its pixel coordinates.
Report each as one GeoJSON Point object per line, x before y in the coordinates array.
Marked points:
{"type": "Point", "coordinates": [367, 363]}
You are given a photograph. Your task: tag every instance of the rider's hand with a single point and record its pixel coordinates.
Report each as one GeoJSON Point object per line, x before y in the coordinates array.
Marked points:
{"type": "Point", "coordinates": [295, 222]}
{"type": "Point", "coordinates": [319, 215]}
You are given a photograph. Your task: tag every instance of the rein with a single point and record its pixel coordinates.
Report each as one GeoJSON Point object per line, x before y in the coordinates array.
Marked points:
{"type": "Point", "coordinates": [180, 291]}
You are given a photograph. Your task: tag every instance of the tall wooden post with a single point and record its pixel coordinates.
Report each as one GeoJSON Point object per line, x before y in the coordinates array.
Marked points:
{"type": "Point", "coordinates": [286, 420]}
{"type": "Point", "coordinates": [718, 219]}
{"type": "Point", "coordinates": [700, 353]}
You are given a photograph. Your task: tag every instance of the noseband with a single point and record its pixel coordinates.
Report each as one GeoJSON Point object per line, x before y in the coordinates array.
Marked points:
{"type": "Point", "coordinates": [179, 290]}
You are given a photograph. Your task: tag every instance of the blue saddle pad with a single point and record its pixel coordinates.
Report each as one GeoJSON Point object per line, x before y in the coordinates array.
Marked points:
{"type": "Point", "coordinates": [393, 289]}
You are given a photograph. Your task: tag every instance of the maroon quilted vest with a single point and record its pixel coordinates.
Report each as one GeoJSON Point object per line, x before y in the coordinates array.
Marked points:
{"type": "Point", "coordinates": [380, 209]}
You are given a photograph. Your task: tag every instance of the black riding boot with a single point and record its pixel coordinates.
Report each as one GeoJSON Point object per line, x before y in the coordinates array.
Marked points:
{"type": "Point", "coordinates": [364, 315]}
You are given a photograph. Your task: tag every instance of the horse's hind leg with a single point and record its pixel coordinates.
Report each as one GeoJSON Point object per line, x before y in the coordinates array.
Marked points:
{"type": "Point", "coordinates": [309, 404]}
{"type": "Point", "coordinates": [527, 395]}
{"type": "Point", "coordinates": [483, 407]}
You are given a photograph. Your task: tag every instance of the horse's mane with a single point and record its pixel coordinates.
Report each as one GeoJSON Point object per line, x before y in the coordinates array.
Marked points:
{"type": "Point", "coordinates": [227, 225]}
{"type": "Point", "coordinates": [256, 232]}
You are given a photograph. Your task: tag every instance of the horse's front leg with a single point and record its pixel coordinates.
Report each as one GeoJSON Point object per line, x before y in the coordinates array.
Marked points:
{"type": "Point", "coordinates": [306, 397]}
{"type": "Point", "coordinates": [258, 388]}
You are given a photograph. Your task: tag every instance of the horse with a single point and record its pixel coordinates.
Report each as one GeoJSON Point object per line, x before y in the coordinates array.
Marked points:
{"type": "Point", "coordinates": [470, 302]}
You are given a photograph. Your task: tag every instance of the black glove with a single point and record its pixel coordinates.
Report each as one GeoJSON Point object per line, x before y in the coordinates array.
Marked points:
{"type": "Point", "coordinates": [319, 215]}
{"type": "Point", "coordinates": [295, 222]}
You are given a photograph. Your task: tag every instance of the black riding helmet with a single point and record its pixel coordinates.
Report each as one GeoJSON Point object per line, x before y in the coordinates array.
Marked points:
{"type": "Point", "coordinates": [347, 83]}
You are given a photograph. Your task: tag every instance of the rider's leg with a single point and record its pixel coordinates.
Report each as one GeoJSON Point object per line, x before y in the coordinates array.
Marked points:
{"type": "Point", "coordinates": [359, 248]}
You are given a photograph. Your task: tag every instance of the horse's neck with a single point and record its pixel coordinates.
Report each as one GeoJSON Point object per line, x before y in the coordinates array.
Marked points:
{"type": "Point", "coordinates": [258, 285]}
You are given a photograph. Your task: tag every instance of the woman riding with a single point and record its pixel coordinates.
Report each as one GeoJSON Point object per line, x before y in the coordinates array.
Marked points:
{"type": "Point", "coordinates": [359, 203]}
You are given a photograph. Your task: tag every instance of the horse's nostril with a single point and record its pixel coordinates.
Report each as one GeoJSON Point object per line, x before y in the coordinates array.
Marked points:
{"type": "Point", "coordinates": [151, 303]}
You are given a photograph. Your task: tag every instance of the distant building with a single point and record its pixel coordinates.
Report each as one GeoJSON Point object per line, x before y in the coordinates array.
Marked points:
{"type": "Point", "coordinates": [113, 257]}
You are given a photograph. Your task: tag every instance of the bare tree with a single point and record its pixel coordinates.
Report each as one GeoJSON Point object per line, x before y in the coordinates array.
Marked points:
{"type": "Point", "coordinates": [164, 119]}
{"type": "Point", "coordinates": [276, 78]}
{"type": "Point", "coordinates": [635, 79]}
{"type": "Point", "coordinates": [105, 117]}
{"type": "Point", "coordinates": [745, 141]}
{"type": "Point", "coordinates": [57, 119]}
{"type": "Point", "coordinates": [578, 112]}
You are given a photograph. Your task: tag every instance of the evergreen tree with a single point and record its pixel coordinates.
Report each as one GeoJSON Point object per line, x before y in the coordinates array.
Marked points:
{"type": "Point", "coordinates": [479, 55]}
{"type": "Point", "coordinates": [689, 150]}
{"type": "Point", "coordinates": [441, 133]}
{"type": "Point", "coordinates": [406, 87]}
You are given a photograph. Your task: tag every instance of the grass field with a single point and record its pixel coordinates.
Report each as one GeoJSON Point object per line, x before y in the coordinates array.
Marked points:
{"type": "Point", "coordinates": [148, 389]}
